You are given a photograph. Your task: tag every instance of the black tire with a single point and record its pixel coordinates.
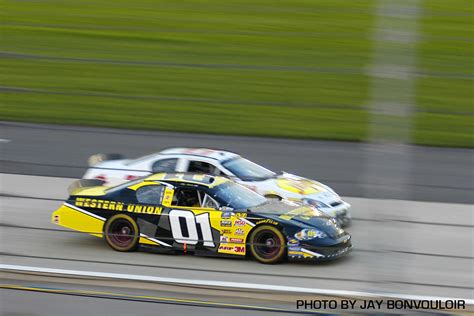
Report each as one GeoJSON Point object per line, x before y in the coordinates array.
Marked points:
{"type": "Point", "coordinates": [121, 233]}
{"type": "Point", "coordinates": [267, 244]}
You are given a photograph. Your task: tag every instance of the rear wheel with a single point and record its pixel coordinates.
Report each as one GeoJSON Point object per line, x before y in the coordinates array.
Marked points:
{"type": "Point", "coordinates": [267, 244]}
{"type": "Point", "coordinates": [121, 233]}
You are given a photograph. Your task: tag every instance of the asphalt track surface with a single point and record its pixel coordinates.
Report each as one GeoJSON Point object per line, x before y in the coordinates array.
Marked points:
{"type": "Point", "coordinates": [419, 248]}
{"type": "Point", "coordinates": [436, 174]}
{"type": "Point", "coordinates": [426, 250]}
{"type": "Point", "coordinates": [51, 299]}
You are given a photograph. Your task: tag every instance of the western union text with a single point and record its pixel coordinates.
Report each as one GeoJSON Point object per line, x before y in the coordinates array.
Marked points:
{"type": "Point", "coordinates": [117, 206]}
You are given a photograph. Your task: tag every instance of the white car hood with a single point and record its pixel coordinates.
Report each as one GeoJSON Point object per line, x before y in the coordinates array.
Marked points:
{"type": "Point", "coordinates": [291, 186]}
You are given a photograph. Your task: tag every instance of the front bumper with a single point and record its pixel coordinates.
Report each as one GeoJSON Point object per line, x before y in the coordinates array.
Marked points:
{"type": "Point", "coordinates": [313, 253]}
{"type": "Point", "coordinates": [340, 212]}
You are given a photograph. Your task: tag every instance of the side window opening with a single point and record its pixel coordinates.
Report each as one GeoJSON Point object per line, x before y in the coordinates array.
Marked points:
{"type": "Point", "coordinates": [202, 167]}
{"type": "Point", "coordinates": [188, 197]}
{"type": "Point", "coordinates": [150, 194]}
{"type": "Point", "coordinates": [164, 165]}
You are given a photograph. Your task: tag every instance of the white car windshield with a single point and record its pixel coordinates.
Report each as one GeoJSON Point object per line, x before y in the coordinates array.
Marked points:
{"type": "Point", "coordinates": [236, 196]}
{"type": "Point", "coordinates": [247, 170]}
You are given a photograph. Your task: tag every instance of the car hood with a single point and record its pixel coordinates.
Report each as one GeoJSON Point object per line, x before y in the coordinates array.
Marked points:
{"type": "Point", "coordinates": [299, 215]}
{"type": "Point", "coordinates": [290, 185]}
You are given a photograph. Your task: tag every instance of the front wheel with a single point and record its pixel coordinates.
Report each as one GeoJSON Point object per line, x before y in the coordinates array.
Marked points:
{"type": "Point", "coordinates": [267, 244]}
{"type": "Point", "coordinates": [121, 233]}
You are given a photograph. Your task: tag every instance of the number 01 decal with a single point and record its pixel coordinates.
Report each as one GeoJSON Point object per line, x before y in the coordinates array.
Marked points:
{"type": "Point", "coordinates": [191, 225]}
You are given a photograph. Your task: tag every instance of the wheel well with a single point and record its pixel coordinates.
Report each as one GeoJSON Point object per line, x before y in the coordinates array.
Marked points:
{"type": "Point", "coordinates": [134, 218]}
{"type": "Point", "coordinates": [247, 249]}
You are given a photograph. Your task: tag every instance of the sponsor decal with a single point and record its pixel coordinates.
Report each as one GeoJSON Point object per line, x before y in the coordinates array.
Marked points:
{"type": "Point", "coordinates": [225, 239]}
{"type": "Point", "coordinates": [301, 211]}
{"type": "Point", "coordinates": [131, 177]}
{"type": "Point", "coordinates": [226, 223]}
{"type": "Point", "coordinates": [236, 240]}
{"type": "Point", "coordinates": [226, 231]}
{"type": "Point", "coordinates": [293, 241]}
{"type": "Point", "coordinates": [239, 231]}
{"type": "Point", "coordinates": [117, 206]}
{"type": "Point", "coordinates": [267, 221]}
{"type": "Point", "coordinates": [298, 254]}
{"type": "Point", "coordinates": [56, 219]}
{"type": "Point", "coordinates": [239, 222]}
{"type": "Point", "coordinates": [294, 248]}
{"type": "Point", "coordinates": [307, 234]}
{"type": "Point", "coordinates": [143, 209]}
{"type": "Point", "coordinates": [226, 214]}
{"type": "Point", "coordinates": [237, 249]}
{"type": "Point", "coordinates": [226, 248]}
{"type": "Point", "coordinates": [299, 185]}
{"type": "Point", "coordinates": [168, 196]}
{"type": "Point", "coordinates": [243, 215]}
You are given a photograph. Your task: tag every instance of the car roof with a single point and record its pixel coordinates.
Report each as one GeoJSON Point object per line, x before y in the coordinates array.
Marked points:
{"type": "Point", "coordinates": [216, 154]}
{"type": "Point", "coordinates": [184, 177]}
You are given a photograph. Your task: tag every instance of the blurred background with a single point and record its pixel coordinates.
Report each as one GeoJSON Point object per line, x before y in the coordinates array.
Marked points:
{"type": "Point", "coordinates": [301, 69]}
{"type": "Point", "coordinates": [372, 97]}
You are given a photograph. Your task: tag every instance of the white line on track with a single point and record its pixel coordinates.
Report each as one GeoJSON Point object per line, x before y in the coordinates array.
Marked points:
{"type": "Point", "coordinates": [2, 140]}
{"type": "Point", "coordinates": [224, 284]}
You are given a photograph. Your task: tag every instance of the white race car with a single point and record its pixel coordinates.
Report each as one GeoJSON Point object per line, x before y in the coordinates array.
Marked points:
{"type": "Point", "coordinates": [115, 169]}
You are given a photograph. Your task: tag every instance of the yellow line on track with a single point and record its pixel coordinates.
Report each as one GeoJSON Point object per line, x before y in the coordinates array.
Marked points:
{"type": "Point", "coordinates": [143, 297]}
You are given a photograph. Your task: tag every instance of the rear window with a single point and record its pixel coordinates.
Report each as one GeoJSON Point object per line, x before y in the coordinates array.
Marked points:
{"type": "Point", "coordinates": [164, 165]}
{"type": "Point", "coordinates": [150, 194]}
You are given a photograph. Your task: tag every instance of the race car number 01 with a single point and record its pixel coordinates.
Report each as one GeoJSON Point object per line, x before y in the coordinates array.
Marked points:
{"type": "Point", "coordinates": [191, 224]}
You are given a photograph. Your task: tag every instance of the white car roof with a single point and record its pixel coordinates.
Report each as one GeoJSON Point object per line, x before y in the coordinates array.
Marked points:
{"type": "Point", "coordinates": [216, 154]}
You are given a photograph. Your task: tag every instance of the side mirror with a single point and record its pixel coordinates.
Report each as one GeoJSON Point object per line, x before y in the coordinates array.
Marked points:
{"type": "Point", "coordinates": [226, 209]}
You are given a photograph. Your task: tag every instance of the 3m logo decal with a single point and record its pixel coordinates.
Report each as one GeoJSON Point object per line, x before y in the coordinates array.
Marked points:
{"type": "Point", "coordinates": [239, 249]}
{"type": "Point", "coordinates": [227, 248]}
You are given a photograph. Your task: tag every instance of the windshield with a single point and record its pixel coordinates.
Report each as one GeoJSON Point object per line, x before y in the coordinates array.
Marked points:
{"type": "Point", "coordinates": [236, 196]}
{"type": "Point", "coordinates": [247, 170]}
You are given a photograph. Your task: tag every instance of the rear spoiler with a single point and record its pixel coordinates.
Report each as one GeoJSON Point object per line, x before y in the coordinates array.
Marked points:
{"type": "Point", "coordinates": [84, 183]}
{"type": "Point", "coordinates": [97, 158]}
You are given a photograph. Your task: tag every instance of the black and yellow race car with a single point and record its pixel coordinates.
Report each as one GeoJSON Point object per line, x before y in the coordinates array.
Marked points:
{"type": "Point", "coordinates": [200, 214]}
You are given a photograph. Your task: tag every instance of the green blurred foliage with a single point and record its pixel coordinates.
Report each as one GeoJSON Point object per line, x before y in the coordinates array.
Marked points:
{"type": "Point", "coordinates": [286, 68]}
